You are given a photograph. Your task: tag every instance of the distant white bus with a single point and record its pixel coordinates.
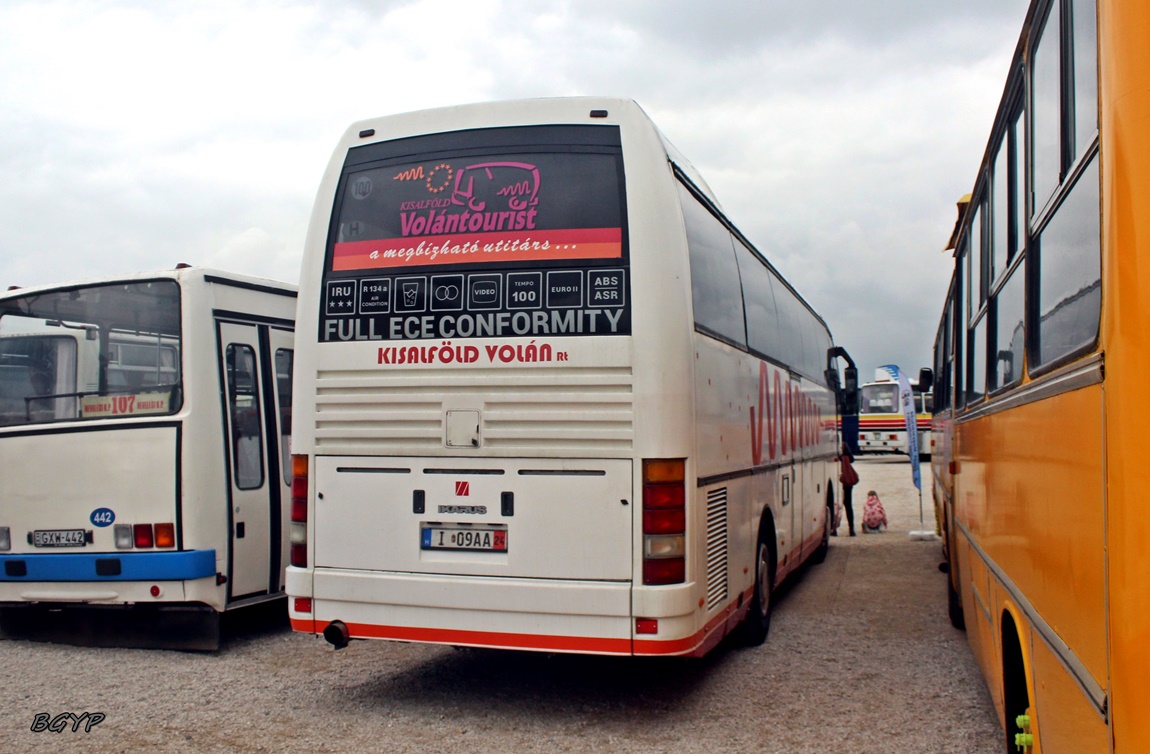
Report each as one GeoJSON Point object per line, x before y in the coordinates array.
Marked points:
{"type": "Point", "coordinates": [882, 425]}
{"type": "Point", "coordinates": [144, 423]}
{"type": "Point", "coordinates": [554, 399]}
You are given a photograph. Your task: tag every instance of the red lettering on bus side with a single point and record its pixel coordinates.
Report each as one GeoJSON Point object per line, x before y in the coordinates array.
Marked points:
{"type": "Point", "coordinates": [796, 417]}
{"type": "Point", "coordinates": [774, 417]}
{"type": "Point", "coordinates": [804, 420]}
{"type": "Point", "coordinates": [784, 415]}
{"type": "Point", "coordinates": [808, 412]}
{"type": "Point", "coordinates": [800, 416]}
{"type": "Point", "coordinates": [770, 411]}
{"type": "Point", "coordinates": [757, 426]}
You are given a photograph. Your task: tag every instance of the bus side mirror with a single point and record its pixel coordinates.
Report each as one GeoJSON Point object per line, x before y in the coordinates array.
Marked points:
{"type": "Point", "coordinates": [848, 395]}
{"type": "Point", "coordinates": [925, 380]}
{"type": "Point", "coordinates": [850, 391]}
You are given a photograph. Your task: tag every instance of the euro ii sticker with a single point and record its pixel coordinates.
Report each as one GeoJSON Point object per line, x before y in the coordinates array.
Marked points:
{"type": "Point", "coordinates": [103, 517]}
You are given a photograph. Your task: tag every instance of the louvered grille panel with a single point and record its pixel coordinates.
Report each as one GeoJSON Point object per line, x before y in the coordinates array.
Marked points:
{"type": "Point", "coordinates": [576, 409]}
{"type": "Point", "coordinates": [716, 548]}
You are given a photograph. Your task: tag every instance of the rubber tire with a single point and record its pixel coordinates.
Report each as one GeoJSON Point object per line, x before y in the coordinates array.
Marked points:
{"type": "Point", "coordinates": [757, 624]}
{"type": "Point", "coordinates": [954, 603]}
{"type": "Point", "coordinates": [820, 555]}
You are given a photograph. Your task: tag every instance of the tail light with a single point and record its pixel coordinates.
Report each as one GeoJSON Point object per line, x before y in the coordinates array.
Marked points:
{"type": "Point", "coordinates": [299, 511]}
{"type": "Point", "coordinates": [165, 535]}
{"type": "Point", "coordinates": [123, 535]}
{"type": "Point", "coordinates": [143, 536]}
{"type": "Point", "coordinates": [5, 538]}
{"type": "Point", "coordinates": [664, 521]}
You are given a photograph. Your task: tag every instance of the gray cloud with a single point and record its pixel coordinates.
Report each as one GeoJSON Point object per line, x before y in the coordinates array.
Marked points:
{"type": "Point", "coordinates": [836, 134]}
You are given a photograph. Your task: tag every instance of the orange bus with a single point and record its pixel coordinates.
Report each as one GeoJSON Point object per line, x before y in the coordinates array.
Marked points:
{"type": "Point", "coordinates": [1041, 367]}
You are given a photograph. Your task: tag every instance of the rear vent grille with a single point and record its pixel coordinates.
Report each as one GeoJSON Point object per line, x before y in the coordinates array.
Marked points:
{"type": "Point", "coordinates": [716, 548]}
{"type": "Point", "coordinates": [571, 409]}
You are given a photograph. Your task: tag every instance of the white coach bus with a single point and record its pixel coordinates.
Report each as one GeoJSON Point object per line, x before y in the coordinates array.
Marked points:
{"type": "Point", "coordinates": [554, 399]}
{"type": "Point", "coordinates": [144, 423]}
{"type": "Point", "coordinates": [882, 425]}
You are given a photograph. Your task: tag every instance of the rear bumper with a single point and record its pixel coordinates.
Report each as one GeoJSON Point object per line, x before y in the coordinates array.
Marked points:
{"type": "Point", "coordinates": [590, 617]}
{"type": "Point", "coordinates": [108, 566]}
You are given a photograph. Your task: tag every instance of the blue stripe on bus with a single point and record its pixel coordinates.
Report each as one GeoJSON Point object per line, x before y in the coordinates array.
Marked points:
{"type": "Point", "coordinates": [109, 566]}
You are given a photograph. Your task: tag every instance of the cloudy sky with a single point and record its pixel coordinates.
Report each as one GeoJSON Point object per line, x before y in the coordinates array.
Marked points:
{"type": "Point", "coordinates": [837, 134]}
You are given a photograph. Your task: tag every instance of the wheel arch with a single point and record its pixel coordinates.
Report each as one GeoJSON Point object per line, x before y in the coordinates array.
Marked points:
{"type": "Point", "coordinates": [1017, 673]}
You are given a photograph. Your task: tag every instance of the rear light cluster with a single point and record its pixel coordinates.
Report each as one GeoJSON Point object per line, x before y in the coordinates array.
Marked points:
{"type": "Point", "coordinates": [5, 538]}
{"type": "Point", "coordinates": [664, 522]}
{"type": "Point", "coordinates": [298, 534]}
{"type": "Point", "coordinates": [144, 536]}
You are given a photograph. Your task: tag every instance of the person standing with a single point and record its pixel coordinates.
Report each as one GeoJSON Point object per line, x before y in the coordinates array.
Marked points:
{"type": "Point", "coordinates": [849, 478]}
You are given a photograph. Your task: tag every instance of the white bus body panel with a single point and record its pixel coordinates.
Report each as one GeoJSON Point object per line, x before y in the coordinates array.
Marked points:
{"type": "Point", "coordinates": [114, 468]}
{"type": "Point", "coordinates": [561, 518]}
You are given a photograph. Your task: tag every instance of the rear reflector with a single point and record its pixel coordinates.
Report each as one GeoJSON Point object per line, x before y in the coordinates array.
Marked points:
{"type": "Point", "coordinates": [646, 626]}
{"type": "Point", "coordinates": [302, 604]}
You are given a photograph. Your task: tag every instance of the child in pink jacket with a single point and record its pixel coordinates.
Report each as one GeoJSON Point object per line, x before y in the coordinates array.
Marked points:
{"type": "Point", "coordinates": [874, 515]}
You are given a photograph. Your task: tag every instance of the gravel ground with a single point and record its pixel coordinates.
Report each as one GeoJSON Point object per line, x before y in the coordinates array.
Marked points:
{"type": "Point", "coordinates": [861, 658]}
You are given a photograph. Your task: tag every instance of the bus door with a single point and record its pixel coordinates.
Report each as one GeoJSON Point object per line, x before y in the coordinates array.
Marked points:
{"type": "Point", "coordinates": [255, 414]}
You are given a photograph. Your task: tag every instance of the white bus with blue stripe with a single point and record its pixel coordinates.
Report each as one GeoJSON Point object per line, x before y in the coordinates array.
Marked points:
{"type": "Point", "coordinates": [143, 436]}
